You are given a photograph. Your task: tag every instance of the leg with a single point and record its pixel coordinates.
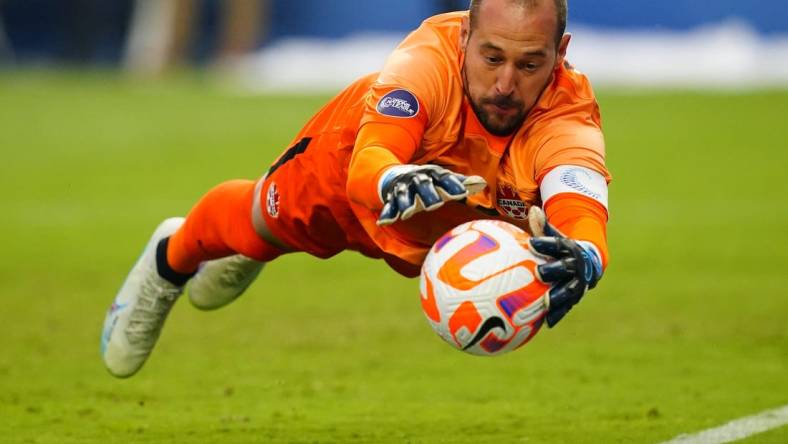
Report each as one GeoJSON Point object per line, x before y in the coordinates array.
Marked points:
{"type": "Point", "coordinates": [218, 226]}
{"type": "Point", "coordinates": [219, 242]}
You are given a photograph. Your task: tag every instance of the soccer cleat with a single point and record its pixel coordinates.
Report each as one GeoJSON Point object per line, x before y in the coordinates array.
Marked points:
{"type": "Point", "coordinates": [134, 321]}
{"type": "Point", "coordinates": [221, 281]}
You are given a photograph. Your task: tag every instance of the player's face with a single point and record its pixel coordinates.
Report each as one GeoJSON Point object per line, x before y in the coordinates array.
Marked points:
{"type": "Point", "coordinates": [510, 57]}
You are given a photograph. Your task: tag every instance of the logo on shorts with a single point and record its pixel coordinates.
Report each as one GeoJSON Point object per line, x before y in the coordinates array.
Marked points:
{"type": "Point", "coordinates": [399, 103]}
{"type": "Point", "coordinates": [272, 200]}
{"type": "Point", "coordinates": [510, 202]}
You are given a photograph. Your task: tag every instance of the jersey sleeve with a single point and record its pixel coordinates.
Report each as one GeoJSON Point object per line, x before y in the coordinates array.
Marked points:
{"type": "Point", "coordinates": [399, 108]}
{"type": "Point", "coordinates": [573, 139]}
{"type": "Point", "coordinates": [580, 218]}
{"type": "Point", "coordinates": [378, 147]}
{"type": "Point", "coordinates": [569, 168]}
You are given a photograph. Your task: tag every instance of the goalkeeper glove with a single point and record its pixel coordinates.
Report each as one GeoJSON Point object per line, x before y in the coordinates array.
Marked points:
{"type": "Point", "coordinates": [576, 269]}
{"type": "Point", "coordinates": [409, 189]}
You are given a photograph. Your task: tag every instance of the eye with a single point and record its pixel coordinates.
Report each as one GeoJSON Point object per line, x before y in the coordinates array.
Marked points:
{"type": "Point", "coordinates": [528, 66]}
{"type": "Point", "coordinates": [492, 60]}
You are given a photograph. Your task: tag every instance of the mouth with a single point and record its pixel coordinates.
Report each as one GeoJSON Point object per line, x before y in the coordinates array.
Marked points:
{"type": "Point", "coordinates": [505, 110]}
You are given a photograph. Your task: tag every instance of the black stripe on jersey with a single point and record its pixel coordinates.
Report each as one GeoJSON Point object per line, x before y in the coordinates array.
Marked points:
{"type": "Point", "coordinates": [291, 152]}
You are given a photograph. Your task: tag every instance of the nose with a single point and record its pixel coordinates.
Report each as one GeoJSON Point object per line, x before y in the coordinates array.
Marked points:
{"type": "Point", "coordinates": [506, 81]}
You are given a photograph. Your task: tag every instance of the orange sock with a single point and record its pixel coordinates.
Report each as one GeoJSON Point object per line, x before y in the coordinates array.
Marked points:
{"type": "Point", "coordinates": [219, 225]}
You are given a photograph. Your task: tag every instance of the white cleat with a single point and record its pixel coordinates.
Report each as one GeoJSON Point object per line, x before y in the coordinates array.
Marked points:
{"type": "Point", "coordinates": [221, 281]}
{"type": "Point", "coordinates": [135, 319]}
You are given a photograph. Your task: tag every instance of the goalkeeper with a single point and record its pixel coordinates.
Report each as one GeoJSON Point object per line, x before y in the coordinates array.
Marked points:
{"type": "Point", "coordinates": [475, 115]}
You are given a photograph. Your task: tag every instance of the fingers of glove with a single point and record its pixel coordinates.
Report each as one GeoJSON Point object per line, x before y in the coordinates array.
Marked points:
{"type": "Point", "coordinates": [562, 295]}
{"type": "Point", "coordinates": [425, 189]}
{"type": "Point", "coordinates": [446, 197]}
{"type": "Point", "coordinates": [389, 214]}
{"type": "Point", "coordinates": [557, 271]}
{"type": "Point", "coordinates": [450, 184]}
{"type": "Point", "coordinates": [474, 184]}
{"type": "Point", "coordinates": [549, 246]}
{"type": "Point", "coordinates": [417, 207]}
{"type": "Point", "coordinates": [398, 197]}
{"type": "Point", "coordinates": [554, 316]}
{"type": "Point", "coordinates": [567, 294]}
{"type": "Point", "coordinates": [403, 196]}
{"type": "Point", "coordinates": [536, 221]}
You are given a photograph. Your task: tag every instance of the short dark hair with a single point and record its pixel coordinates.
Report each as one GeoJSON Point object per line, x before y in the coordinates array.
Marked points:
{"type": "Point", "coordinates": [561, 10]}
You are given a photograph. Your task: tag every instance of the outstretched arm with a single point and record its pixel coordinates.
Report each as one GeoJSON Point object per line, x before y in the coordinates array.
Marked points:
{"type": "Point", "coordinates": [575, 236]}
{"type": "Point", "coordinates": [382, 176]}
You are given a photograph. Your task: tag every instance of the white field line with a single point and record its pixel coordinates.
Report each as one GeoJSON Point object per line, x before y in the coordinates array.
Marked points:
{"type": "Point", "coordinates": [737, 429]}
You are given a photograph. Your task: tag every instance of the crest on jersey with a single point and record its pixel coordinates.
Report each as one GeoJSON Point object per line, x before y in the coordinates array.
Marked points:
{"type": "Point", "coordinates": [399, 103]}
{"type": "Point", "coordinates": [511, 204]}
{"type": "Point", "coordinates": [272, 200]}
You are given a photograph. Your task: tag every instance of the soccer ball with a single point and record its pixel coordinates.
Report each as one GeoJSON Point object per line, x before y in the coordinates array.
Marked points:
{"type": "Point", "coordinates": [479, 289]}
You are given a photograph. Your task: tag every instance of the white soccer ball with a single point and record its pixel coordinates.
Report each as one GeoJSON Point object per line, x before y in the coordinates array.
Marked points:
{"type": "Point", "coordinates": [479, 289]}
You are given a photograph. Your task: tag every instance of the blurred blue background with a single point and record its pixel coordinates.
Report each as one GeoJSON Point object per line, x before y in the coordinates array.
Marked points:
{"type": "Point", "coordinates": [96, 31]}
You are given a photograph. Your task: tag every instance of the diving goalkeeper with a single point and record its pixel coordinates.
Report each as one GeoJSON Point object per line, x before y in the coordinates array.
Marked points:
{"type": "Point", "coordinates": [475, 115]}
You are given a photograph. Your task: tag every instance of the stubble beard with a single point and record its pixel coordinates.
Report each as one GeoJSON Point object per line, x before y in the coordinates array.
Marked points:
{"type": "Point", "coordinates": [484, 117]}
{"type": "Point", "coordinates": [504, 128]}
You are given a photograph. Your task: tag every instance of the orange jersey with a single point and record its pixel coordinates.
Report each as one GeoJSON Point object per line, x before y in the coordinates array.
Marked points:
{"type": "Point", "coordinates": [415, 111]}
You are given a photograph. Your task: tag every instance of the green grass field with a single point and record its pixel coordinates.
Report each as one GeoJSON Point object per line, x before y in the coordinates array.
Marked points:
{"type": "Point", "coordinates": [688, 330]}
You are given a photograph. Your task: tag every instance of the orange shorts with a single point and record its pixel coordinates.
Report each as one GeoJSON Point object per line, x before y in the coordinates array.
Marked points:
{"type": "Point", "coordinates": [304, 204]}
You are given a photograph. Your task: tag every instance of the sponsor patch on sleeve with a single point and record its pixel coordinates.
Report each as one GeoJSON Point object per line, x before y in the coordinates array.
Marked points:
{"type": "Point", "coordinates": [399, 103]}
